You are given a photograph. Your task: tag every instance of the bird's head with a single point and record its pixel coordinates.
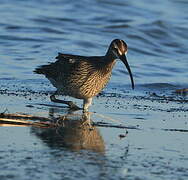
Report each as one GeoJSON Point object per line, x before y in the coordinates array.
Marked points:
{"type": "Point", "coordinates": [118, 50]}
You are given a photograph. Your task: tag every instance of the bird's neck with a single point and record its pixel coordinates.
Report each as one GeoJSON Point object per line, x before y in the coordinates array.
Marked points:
{"type": "Point", "coordinates": [108, 66]}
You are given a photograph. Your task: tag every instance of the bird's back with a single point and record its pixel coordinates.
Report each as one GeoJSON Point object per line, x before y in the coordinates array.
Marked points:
{"type": "Point", "coordinates": [63, 65]}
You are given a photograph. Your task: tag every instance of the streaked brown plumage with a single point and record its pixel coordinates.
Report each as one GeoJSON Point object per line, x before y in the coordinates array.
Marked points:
{"type": "Point", "coordinates": [83, 77]}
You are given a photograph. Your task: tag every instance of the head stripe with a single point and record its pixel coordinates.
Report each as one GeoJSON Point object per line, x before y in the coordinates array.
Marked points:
{"type": "Point", "coordinates": [117, 47]}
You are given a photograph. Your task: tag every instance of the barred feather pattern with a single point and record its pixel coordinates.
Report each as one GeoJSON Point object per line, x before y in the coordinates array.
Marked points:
{"type": "Point", "coordinates": [78, 78]}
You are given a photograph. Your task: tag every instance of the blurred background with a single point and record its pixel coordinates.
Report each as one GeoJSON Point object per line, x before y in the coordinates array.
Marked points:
{"type": "Point", "coordinates": [33, 32]}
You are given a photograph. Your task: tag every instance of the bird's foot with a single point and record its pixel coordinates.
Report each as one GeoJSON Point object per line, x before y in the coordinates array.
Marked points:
{"type": "Point", "coordinates": [86, 114]}
{"type": "Point", "coordinates": [85, 111]}
{"type": "Point", "coordinates": [73, 106]}
{"type": "Point", "coordinates": [87, 120]}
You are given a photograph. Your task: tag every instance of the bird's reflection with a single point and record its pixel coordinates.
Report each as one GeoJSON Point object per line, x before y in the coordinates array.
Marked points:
{"type": "Point", "coordinates": [73, 131]}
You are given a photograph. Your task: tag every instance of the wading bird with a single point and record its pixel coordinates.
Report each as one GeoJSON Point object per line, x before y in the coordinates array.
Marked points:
{"type": "Point", "coordinates": [83, 77]}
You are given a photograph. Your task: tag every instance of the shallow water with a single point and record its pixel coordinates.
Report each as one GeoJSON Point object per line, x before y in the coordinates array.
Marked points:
{"type": "Point", "coordinates": [33, 32]}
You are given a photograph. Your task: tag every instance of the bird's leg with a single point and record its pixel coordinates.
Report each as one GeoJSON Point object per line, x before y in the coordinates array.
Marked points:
{"type": "Point", "coordinates": [69, 103]}
{"type": "Point", "coordinates": [87, 103]}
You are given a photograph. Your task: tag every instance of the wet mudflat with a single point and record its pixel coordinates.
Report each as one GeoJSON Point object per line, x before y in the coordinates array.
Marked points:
{"type": "Point", "coordinates": [153, 144]}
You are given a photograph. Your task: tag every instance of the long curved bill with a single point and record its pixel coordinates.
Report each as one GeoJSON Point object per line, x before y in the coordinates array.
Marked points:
{"type": "Point", "coordinates": [124, 59]}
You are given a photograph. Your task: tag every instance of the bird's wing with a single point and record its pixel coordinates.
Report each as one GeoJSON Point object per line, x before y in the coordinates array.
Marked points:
{"type": "Point", "coordinates": [64, 65]}
{"type": "Point", "coordinates": [75, 59]}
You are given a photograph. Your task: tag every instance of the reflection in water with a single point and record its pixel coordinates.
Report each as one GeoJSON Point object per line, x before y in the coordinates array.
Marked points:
{"type": "Point", "coordinates": [73, 132]}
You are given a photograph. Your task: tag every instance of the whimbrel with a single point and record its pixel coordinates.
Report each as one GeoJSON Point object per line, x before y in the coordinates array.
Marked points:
{"type": "Point", "coordinates": [83, 77]}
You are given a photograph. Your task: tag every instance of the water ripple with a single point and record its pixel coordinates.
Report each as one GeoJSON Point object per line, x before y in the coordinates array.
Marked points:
{"type": "Point", "coordinates": [156, 37]}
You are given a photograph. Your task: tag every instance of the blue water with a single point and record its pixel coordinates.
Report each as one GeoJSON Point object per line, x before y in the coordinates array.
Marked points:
{"type": "Point", "coordinates": [33, 32]}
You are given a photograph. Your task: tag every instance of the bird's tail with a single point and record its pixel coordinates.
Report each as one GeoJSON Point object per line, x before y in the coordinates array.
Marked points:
{"type": "Point", "coordinates": [41, 69]}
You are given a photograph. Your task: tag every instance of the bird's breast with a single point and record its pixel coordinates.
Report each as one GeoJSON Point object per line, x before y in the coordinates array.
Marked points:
{"type": "Point", "coordinates": [94, 84]}
{"type": "Point", "coordinates": [84, 81]}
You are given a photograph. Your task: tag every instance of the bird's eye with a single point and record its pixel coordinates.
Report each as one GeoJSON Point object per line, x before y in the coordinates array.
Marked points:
{"type": "Point", "coordinates": [116, 50]}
